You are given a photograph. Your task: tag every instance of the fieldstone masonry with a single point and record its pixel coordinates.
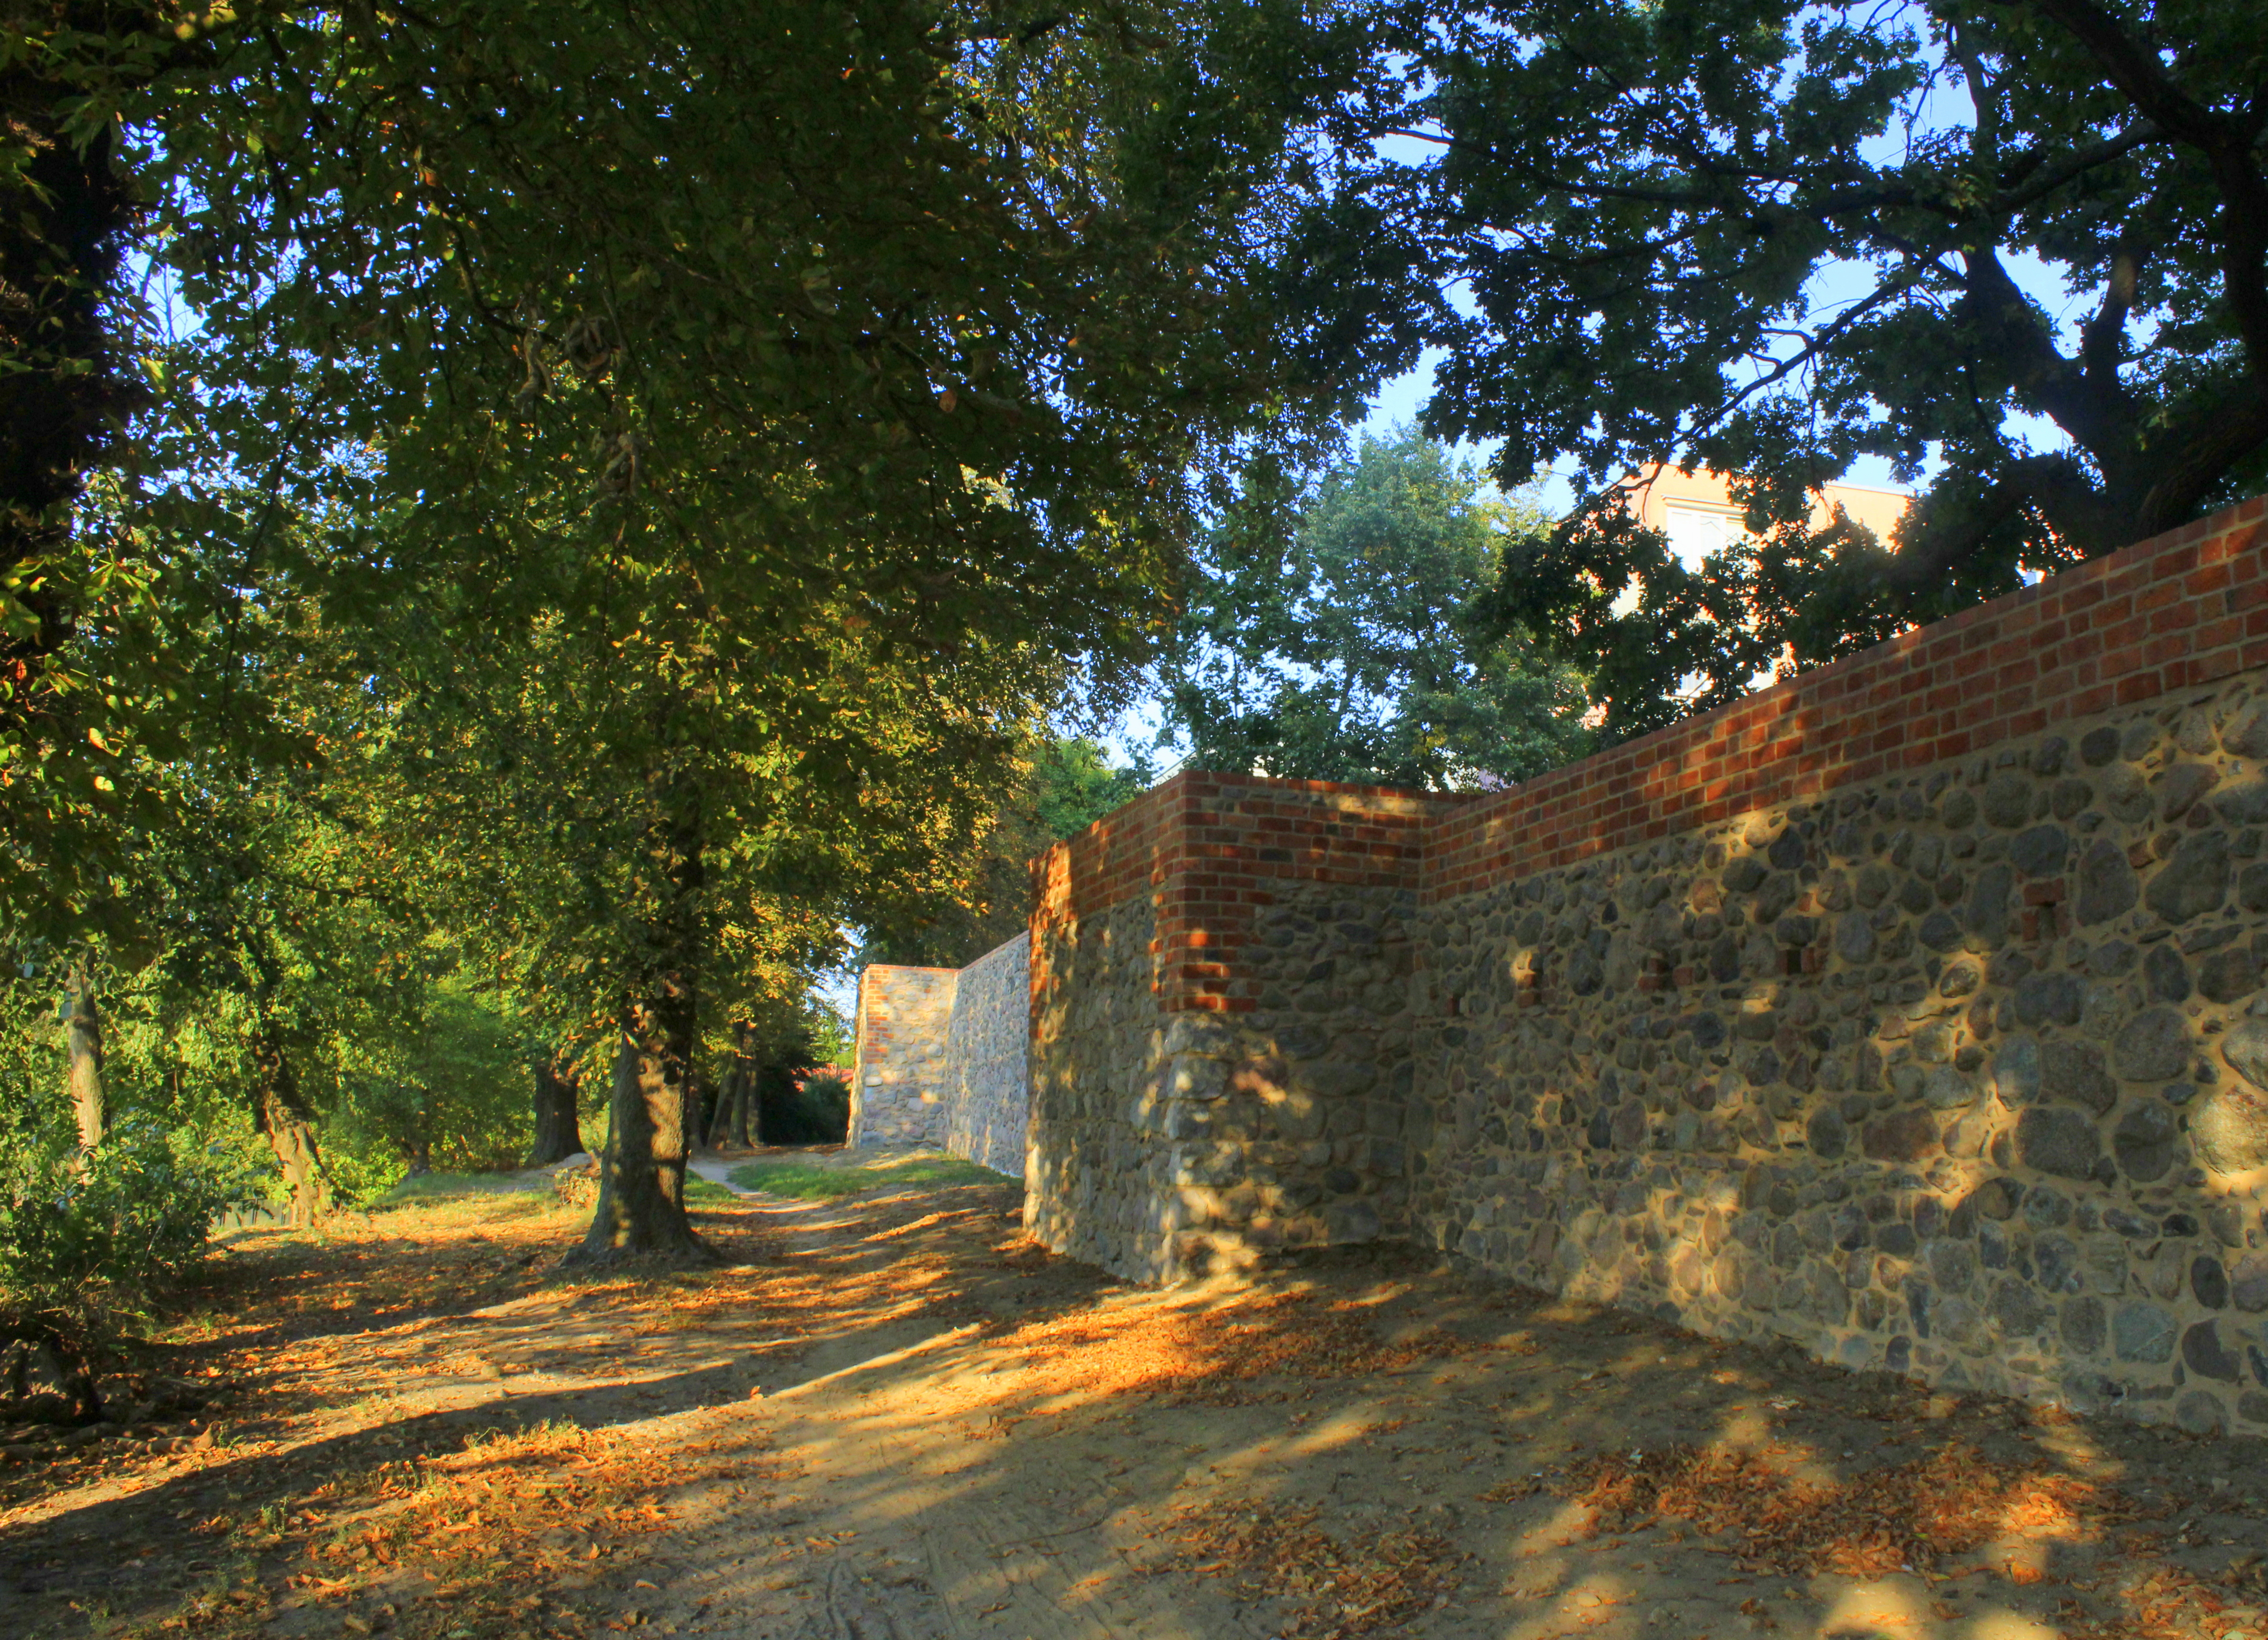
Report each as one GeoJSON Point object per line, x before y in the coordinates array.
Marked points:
{"type": "Point", "coordinates": [987, 1062]}
{"type": "Point", "coordinates": [942, 1057]}
{"type": "Point", "coordinates": [1913, 1010]}
{"type": "Point", "coordinates": [897, 1091]}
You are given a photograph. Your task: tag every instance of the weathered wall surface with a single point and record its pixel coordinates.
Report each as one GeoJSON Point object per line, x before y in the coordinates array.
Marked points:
{"type": "Point", "coordinates": [1911, 1010]}
{"type": "Point", "coordinates": [943, 1057]}
{"type": "Point", "coordinates": [897, 1096]}
{"type": "Point", "coordinates": [987, 1059]}
{"type": "Point", "coordinates": [1220, 1048]}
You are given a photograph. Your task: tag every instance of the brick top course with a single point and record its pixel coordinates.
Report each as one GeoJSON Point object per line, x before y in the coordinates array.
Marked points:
{"type": "Point", "coordinates": [2177, 610]}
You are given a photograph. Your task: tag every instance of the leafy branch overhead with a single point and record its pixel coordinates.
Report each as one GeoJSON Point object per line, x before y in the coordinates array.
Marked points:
{"type": "Point", "coordinates": [2018, 251]}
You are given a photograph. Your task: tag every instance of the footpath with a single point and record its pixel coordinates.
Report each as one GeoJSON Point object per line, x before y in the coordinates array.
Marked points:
{"type": "Point", "coordinates": [892, 1416]}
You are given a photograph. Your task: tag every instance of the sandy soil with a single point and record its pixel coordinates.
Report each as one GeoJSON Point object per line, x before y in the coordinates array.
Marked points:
{"type": "Point", "coordinates": [892, 1416]}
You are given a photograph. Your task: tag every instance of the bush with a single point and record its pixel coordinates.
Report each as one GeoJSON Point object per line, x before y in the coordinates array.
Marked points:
{"type": "Point", "coordinates": [90, 1242]}
{"type": "Point", "coordinates": [803, 1109]}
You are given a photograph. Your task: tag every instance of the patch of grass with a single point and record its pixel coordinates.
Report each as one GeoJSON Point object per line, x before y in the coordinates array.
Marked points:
{"type": "Point", "coordinates": [434, 1186]}
{"type": "Point", "coordinates": [800, 1181]}
{"type": "Point", "coordinates": [698, 1189]}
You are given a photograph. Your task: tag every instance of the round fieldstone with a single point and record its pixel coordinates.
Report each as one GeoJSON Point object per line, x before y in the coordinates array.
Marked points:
{"type": "Point", "coordinates": [1945, 1089]}
{"type": "Point", "coordinates": [2248, 1283]}
{"type": "Point", "coordinates": [2200, 1413]}
{"type": "Point", "coordinates": [2231, 1130]}
{"type": "Point", "coordinates": [2246, 733]}
{"type": "Point", "coordinates": [2243, 805]}
{"type": "Point", "coordinates": [2124, 794]}
{"type": "Point", "coordinates": [2152, 1047]}
{"type": "Point", "coordinates": [2166, 974]}
{"type": "Point", "coordinates": [2072, 1073]}
{"type": "Point", "coordinates": [2098, 746]}
{"type": "Point", "coordinates": [2043, 999]}
{"type": "Point", "coordinates": [2194, 880]}
{"type": "Point", "coordinates": [2056, 1258]}
{"type": "Point", "coordinates": [2111, 958]}
{"type": "Point", "coordinates": [2252, 887]}
{"type": "Point", "coordinates": [2205, 1354]}
{"type": "Point", "coordinates": [2143, 1332]}
{"type": "Point", "coordinates": [1960, 810]}
{"type": "Point", "coordinates": [1986, 915]}
{"type": "Point", "coordinates": [2183, 785]}
{"type": "Point", "coordinates": [2009, 800]}
{"type": "Point", "coordinates": [2107, 887]}
{"type": "Point", "coordinates": [1786, 851]}
{"type": "Point", "coordinates": [2145, 1142]}
{"type": "Point", "coordinates": [1629, 1125]}
{"type": "Point", "coordinates": [2016, 1072]}
{"type": "Point", "coordinates": [1744, 873]}
{"type": "Point", "coordinates": [1854, 937]}
{"type": "Point", "coordinates": [2040, 851]}
{"type": "Point", "coordinates": [1827, 1133]}
{"type": "Point", "coordinates": [2084, 1325]}
{"type": "Point", "coordinates": [2069, 798]}
{"type": "Point", "coordinates": [2019, 1309]}
{"type": "Point", "coordinates": [2228, 975]}
{"type": "Point", "coordinates": [2245, 1048]}
{"type": "Point", "coordinates": [2208, 1282]}
{"type": "Point", "coordinates": [2048, 757]}
{"type": "Point", "coordinates": [2045, 1206]}
{"type": "Point", "coordinates": [1901, 1136]}
{"type": "Point", "coordinates": [1939, 931]}
{"type": "Point", "coordinates": [2054, 1141]}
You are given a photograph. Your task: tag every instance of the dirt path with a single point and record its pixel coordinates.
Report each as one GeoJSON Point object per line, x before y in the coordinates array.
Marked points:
{"type": "Point", "coordinates": [894, 1418]}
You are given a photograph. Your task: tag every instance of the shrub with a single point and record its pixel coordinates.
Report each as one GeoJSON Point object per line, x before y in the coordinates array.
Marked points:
{"type": "Point", "coordinates": [90, 1242]}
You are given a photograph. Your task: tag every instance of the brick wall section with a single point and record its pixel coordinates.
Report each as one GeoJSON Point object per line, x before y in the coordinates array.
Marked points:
{"type": "Point", "coordinates": [2182, 609]}
{"type": "Point", "coordinates": [1211, 850]}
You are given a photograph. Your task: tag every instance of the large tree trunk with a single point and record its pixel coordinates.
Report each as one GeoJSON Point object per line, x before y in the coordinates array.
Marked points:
{"type": "Point", "coordinates": [83, 1042]}
{"type": "Point", "coordinates": [288, 1123]}
{"type": "Point", "coordinates": [558, 1135]}
{"type": "Point", "coordinates": [641, 1209]}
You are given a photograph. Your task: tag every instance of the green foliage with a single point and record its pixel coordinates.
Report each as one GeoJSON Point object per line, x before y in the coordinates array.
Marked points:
{"type": "Point", "coordinates": [980, 895]}
{"type": "Point", "coordinates": [90, 1240]}
{"type": "Point", "coordinates": [798, 1109]}
{"type": "Point", "coordinates": [447, 1086]}
{"type": "Point", "coordinates": [1072, 786]}
{"type": "Point", "coordinates": [804, 1181]}
{"type": "Point", "coordinates": [1330, 633]}
{"type": "Point", "coordinates": [1773, 238]}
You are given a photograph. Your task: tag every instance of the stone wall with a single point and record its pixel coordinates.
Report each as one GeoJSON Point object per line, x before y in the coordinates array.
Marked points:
{"type": "Point", "coordinates": [943, 1057]}
{"type": "Point", "coordinates": [1220, 1048]}
{"type": "Point", "coordinates": [987, 1059]}
{"type": "Point", "coordinates": [1911, 1010]}
{"type": "Point", "coordinates": [897, 1094]}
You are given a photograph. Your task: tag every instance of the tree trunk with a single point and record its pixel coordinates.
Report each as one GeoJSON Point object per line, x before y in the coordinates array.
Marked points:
{"type": "Point", "coordinates": [747, 1116]}
{"type": "Point", "coordinates": [744, 1081]}
{"type": "Point", "coordinates": [284, 1120]}
{"type": "Point", "coordinates": [641, 1211]}
{"type": "Point", "coordinates": [558, 1135]}
{"type": "Point", "coordinates": [641, 1208]}
{"type": "Point", "coordinates": [83, 1042]}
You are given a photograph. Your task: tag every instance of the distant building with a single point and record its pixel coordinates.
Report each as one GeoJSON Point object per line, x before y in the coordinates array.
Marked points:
{"type": "Point", "coordinates": [1697, 511]}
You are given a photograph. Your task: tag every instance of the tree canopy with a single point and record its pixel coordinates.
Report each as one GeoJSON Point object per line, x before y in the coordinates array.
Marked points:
{"type": "Point", "coordinates": [2018, 251]}
{"type": "Point", "coordinates": [1332, 631]}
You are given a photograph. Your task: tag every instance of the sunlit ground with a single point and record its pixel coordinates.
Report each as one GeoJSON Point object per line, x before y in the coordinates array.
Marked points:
{"type": "Point", "coordinates": [892, 1416]}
